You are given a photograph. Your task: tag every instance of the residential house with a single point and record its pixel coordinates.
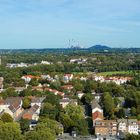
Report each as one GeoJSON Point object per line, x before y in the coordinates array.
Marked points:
{"type": "Point", "coordinates": [3, 105]}
{"type": "Point", "coordinates": [133, 126]}
{"type": "Point", "coordinates": [37, 101]}
{"type": "Point", "coordinates": [122, 125]}
{"type": "Point", "coordinates": [98, 96]}
{"type": "Point", "coordinates": [14, 106]}
{"type": "Point", "coordinates": [80, 94]}
{"type": "Point", "coordinates": [45, 62]}
{"type": "Point", "coordinates": [32, 113]}
{"type": "Point", "coordinates": [65, 101]}
{"type": "Point", "coordinates": [97, 112]}
{"type": "Point", "coordinates": [28, 78]}
{"type": "Point", "coordinates": [67, 77]}
{"type": "Point", "coordinates": [67, 87]}
{"type": "Point", "coordinates": [106, 127]}
{"type": "Point", "coordinates": [19, 89]}
{"type": "Point", "coordinates": [55, 92]}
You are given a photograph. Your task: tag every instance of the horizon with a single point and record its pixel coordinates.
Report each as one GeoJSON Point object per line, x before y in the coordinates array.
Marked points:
{"type": "Point", "coordinates": [44, 24]}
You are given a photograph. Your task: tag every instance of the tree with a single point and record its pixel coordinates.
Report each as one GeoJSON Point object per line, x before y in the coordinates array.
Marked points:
{"type": "Point", "coordinates": [49, 110]}
{"type": "Point", "coordinates": [67, 122]}
{"type": "Point", "coordinates": [26, 92]}
{"type": "Point", "coordinates": [24, 125]}
{"type": "Point", "coordinates": [40, 134]}
{"type": "Point", "coordinates": [34, 82]}
{"type": "Point", "coordinates": [87, 98]}
{"type": "Point", "coordinates": [10, 92]}
{"type": "Point", "coordinates": [45, 122]}
{"type": "Point", "coordinates": [132, 137]}
{"type": "Point", "coordinates": [6, 117]}
{"type": "Point", "coordinates": [121, 113]}
{"type": "Point", "coordinates": [108, 105]}
{"type": "Point", "coordinates": [75, 111]}
{"type": "Point", "coordinates": [26, 103]}
{"type": "Point", "coordinates": [10, 131]}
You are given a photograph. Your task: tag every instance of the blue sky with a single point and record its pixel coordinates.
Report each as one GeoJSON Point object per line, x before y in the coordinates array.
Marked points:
{"type": "Point", "coordinates": [51, 23]}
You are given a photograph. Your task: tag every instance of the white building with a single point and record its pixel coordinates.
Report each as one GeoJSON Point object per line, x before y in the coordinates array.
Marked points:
{"type": "Point", "coordinates": [133, 127]}
{"type": "Point", "coordinates": [45, 62]}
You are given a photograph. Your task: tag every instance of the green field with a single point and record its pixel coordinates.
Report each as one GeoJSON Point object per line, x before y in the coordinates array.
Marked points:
{"type": "Point", "coordinates": [110, 73]}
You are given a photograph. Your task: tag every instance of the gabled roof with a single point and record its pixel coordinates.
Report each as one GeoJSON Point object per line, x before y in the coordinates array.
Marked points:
{"type": "Point", "coordinates": [37, 99]}
{"type": "Point", "coordinates": [32, 110]}
{"type": "Point", "coordinates": [94, 104]}
{"type": "Point", "coordinates": [14, 103]}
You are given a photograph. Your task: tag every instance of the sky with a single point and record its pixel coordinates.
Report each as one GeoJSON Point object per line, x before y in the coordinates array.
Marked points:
{"type": "Point", "coordinates": [52, 23]}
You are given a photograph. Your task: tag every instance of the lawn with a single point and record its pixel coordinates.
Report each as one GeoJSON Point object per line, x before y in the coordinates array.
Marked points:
{"type": "Point", "coordinates": [110, 73]}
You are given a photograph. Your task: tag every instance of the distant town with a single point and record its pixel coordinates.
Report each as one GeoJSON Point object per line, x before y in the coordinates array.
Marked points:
{"type": "Point", "coordinates": [71, 96]}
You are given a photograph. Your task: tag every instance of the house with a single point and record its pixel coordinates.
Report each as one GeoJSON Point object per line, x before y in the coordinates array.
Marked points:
{"type": "Point", "coordinates": [28, 78]}
{"type": "Point", "coordinates": [139, 127]}
{"type": "Point", "coordinates": [133, 126]}
{"type": "Point", "coordinates": [67, 87]}
{"type": "Point", "coordinates": [83, 78]}
{"type": "Point", "coordinates": [55, 92]}
{"type": "Point", "coordinates": [64, 102]}
{"type": "Point", "coordinates": [78, 61]}
{"type": "Point", "coordinates": [106, 127]}
{"type": "Point", "coordinates": [9, 65]}
{"type": "Point", "coordinates": [80, 94]}
{"type": "Point", "coordinates": [98, 78]}
{"type": "Point", "coordinates": [128, 126]}
{"type": "Point", "coordinates": [67, 77]}
{"type": "Point", "coordinates": [45, 62]}
{"type": "Point", "coordinates": [3, 105]}
{"type": "Point", "coordinates": [13, 106]}
{"type": "Point", "coordinates": [97, 112]}
{"type": "Point", "coordinates": [98, 96]}
{"type": "Point", "coordinates": [122, 125]}
{"type": "Point", "coordinates": [19, 89]}
{"type": "Point", "coordinates": [37, 101]}
{"type": "Point", "coordinates": [46, 76]}
{"type": "Point", "coordinates": [32, 113]}
{"type": "Point", "coordinates": [37, 88]}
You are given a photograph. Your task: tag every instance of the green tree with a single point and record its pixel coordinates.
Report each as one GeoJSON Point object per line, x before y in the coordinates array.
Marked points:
{"type": "Point", "coordinates": [34, 82]}
{"type": "Point", "coordinates": [75, 111]}
{"type": "Point", "coordinates": [87, 98]}
{"type": "Point", "coordinates": [49, 110]}
{"type": "Point", "coordinates": [108, 103]}
{"type": "Point", "coordinates": [10, 131]}
{"type": "Point", "coordinates": [45, 122]}
{"type": "Point", "coordinates": [24, 125]}
{"type": "Point", "coordinates": [5, 117]}
{"type": "Point", "coordinates": [26, 103]}
{"type": "Point", "coordinates": [40, 134]}
{"type": "Point", "coordinates": [132, 137]}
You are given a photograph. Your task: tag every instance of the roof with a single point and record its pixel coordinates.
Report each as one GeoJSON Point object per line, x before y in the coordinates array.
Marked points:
{"type": "Point", "coordinates": [37, 99]}
{"type": "Point", "coordinates": [2, 102]}
{"type": "Point", "coordinates": [131, 121]}
{"type": "Point", "coordinates": [14, 103]}
{"type": "Point", "coordinates": [94, 104]}
{"type": "Point", "coordinates": [67, 87]}
{"type": "Point", "coordinates": [32, 110]}
{"type": "Point", "coordinates": [31, 76]}
{"type": "Point", "coordinates": [12, 100]}
{"type": "Point", "coordinates": [67, 100]}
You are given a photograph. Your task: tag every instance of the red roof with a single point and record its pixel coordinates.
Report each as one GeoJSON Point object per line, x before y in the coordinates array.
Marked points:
{"type": "Point", "coordinates": [31, 76]}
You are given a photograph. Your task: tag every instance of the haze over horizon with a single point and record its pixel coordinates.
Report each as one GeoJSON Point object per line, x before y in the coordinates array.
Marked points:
{"type": "Point", "coordinates": [52, 23]}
